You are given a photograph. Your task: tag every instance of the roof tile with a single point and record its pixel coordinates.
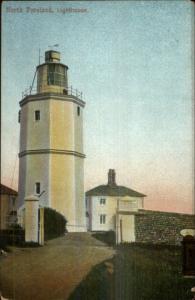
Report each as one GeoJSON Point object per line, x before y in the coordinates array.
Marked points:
{"type": "Point", "coordinates": [5, 190]}
{"type": "Point", "coordinates": [116, 190]}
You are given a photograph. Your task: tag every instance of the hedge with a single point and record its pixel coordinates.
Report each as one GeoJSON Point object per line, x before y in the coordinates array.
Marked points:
{"type": "Point", "coordinates": [54, 223]}
{"type": "Point", "coordinates": [12, 236]}
{"type": "Point", "coordinates": [54, 226]}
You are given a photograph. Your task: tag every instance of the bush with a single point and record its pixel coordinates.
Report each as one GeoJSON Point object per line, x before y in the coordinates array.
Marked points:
{"type": "Point", "coordinates": [30, 244]}
{"type": "Point", "coordinates": [15, 226]}
{"type": "Point", "coordinates": [54, 223]}
{"type": "Point", "coordinates": [3, 241]}
{"type": "Point", "coordinates": [54, 226]}
{"type": "Point", "coordinates": [13, 236]}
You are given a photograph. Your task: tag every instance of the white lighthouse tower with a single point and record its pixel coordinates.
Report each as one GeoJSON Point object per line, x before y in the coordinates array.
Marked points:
{"type": "Point", "coordinates": [51, 158]}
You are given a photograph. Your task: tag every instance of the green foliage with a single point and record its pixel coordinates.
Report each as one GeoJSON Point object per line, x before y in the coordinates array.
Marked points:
{"type": "Point", "coordinates": [30, 245]}
{"type": "Point", "coordinates": [15, 227]}
{"type": "Point", "coordinates": [54, 223]}
{"type": "Point", "coordinates": [146, 272]}
{"type": "Point", "coordinates": [12, 236]}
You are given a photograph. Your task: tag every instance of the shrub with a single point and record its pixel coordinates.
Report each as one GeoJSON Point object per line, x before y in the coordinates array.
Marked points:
{"type": "Point", "coordinates": [3, 241]}
{"type": "Point", "coordinates": [30, 244]}
{"type": "Point", "coordinates": [12, 236]}
{"type": "Point", "coordinates": [54, 223]}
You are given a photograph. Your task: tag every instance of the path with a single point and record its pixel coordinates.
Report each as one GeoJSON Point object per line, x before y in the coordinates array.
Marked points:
{"type": "Point", "coordinates": [53, 271]}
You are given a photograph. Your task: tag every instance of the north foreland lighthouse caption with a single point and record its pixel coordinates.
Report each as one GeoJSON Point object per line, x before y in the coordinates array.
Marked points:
{"type": "Point", "coordinates": [34, 10]}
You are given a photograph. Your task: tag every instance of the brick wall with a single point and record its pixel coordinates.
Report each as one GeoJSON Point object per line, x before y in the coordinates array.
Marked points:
{"type": "Point", "coordinates": [161, 227]}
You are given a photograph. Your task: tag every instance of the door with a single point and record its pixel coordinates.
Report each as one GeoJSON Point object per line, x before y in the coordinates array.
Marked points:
{"type": "Point", "coordinates": [127, 228]}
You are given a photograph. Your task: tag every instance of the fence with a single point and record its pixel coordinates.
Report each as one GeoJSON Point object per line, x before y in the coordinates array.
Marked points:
{"type": "Point", "coordinates": [66, 90]}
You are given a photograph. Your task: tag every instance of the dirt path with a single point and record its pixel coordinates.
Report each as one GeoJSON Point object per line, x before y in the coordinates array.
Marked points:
{"type": "Point", "coordinates": [53, 271]}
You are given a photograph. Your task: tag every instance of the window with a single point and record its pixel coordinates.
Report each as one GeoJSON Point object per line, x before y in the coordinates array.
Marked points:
{"type": "Point", "coordinates": [37, 188]}
{"type": "Point", "coordinates": [102, 219]}
{"type": "Point", "coordinates": [78, 111]}
{"type": "Point", "coordinates": [13, 199]}
{"type": "Point", "coordinates": [102, 201]}
{"type": "Point", "coordinates": [56, 75]}
{"type": "Point", "coordinates": [37, 115]}
{"type": "Point", "coordinates": [13, 213]}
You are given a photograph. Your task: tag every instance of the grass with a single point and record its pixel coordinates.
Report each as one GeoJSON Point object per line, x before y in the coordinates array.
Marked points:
{"type": "Point", "coordinates": [141, 272]}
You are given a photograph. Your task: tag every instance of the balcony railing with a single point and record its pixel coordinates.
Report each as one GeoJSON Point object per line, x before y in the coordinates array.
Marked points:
{"type": "Point", "coordinates": [127, 205]}
{"type": "Point", "coordinates": [67, 91]}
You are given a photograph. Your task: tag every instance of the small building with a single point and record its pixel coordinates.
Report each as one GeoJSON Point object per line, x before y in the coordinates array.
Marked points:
{"type": "Point", "coordinates": [8, 212]}
{"type": "Point", "coordinates": [112, 207]}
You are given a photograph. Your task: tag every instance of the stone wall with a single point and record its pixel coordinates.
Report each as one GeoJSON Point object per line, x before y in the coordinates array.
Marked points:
{"type": "Point", "coordinates": [161, 227]}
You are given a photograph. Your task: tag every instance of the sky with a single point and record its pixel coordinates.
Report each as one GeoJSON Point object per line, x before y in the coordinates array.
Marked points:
{"type": "Point", "coordinates": [133, 61]}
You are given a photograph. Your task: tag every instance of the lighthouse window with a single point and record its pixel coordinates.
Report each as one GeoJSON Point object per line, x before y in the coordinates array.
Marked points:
{"type": "Point", "coordinates": [37, 187]}
{"type": "Point", "coordinates": [78, 111]}
{"type": "Point", "coordinates": [56, 75]}
{"type": "Point", "coordinates": [37, 115]}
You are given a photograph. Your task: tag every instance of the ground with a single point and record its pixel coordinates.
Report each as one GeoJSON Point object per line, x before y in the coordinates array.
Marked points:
{"type": "Point", "coordinates": [138, 272]}
{"type": "Point", "coordinates": [80, 267]}
{"type": "Point", "coordinates": [53, 271]}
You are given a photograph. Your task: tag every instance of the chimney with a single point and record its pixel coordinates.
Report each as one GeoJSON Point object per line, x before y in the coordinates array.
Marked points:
{"type": "Point", "coordinates": [111, 177]}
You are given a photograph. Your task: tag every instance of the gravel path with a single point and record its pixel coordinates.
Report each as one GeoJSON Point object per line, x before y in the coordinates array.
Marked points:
{"type": "Point", "coordinates": [53, 271]}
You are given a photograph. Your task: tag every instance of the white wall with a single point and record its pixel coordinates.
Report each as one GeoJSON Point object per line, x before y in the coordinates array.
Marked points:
{"type": "Point", "coordinates": [34, 134]}
{"type": "Point", "coordinates": [61, 175]}
{"type": "Point", "coordinates": [125, 228]}
{"type": "Point", "coordinates": [34, 168]}
{"type": "Point", "coordinates": [31, 219]}
{"type": "Point", "coordinates": [95, 209]}
{"type": "Point", "coordinates": [128, 203]}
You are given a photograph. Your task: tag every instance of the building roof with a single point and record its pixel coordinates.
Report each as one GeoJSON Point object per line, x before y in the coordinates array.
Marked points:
{"type": "Point", "coordinates": [115, 190]}
{"type": "Point", "coordinates": [5, 190]}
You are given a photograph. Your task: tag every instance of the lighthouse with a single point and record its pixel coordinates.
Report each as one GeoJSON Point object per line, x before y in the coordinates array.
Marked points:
{"type": "Point", "coordinates": [51, 158]}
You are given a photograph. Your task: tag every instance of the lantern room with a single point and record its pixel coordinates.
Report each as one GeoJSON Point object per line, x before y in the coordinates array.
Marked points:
{"type": "Point", "coordinates": [52, 75]}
